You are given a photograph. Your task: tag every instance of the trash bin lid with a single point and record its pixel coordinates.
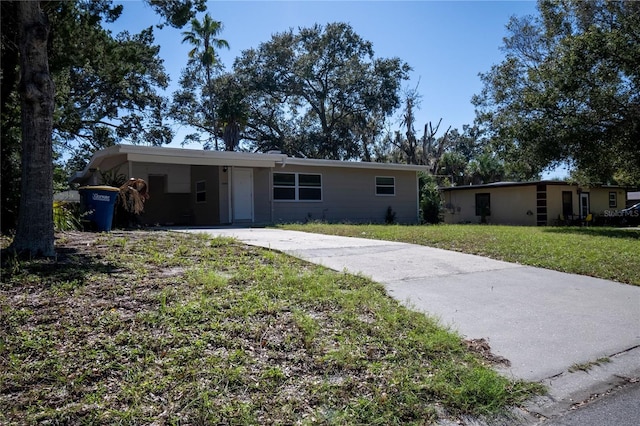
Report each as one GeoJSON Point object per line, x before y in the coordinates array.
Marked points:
{"type": "Point", "coordinates": [100, 188]}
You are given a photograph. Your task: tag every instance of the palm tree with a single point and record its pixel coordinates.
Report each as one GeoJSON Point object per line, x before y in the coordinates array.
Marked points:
{"type": "Point", "coordinates": [205, 45]}
{"type": "Point", "coordinates": [486, 168]}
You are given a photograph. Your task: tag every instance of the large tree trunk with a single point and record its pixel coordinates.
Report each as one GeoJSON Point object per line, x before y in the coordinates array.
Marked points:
{"type": "Point", "coordinates": [34, 235]}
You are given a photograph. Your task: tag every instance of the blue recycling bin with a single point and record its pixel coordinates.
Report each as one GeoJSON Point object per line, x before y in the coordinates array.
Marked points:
{"type": "Point", "coordinates": [97, 204]}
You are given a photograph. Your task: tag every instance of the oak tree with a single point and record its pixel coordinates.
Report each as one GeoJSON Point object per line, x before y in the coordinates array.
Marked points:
{"type": "Point", "coordinates": [315, 92]}
{"type": "Point", "coordinates": [568, 90]}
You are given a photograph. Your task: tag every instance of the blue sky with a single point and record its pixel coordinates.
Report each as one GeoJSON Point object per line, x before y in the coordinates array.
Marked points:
{"type": "Point", "coordinates": [447, 43]}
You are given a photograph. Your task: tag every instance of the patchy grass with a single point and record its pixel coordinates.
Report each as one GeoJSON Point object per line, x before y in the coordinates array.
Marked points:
{"type": "Point", "coordinates": [589, 365]}
{"type": "Point", "coordinates": [142, 328]}
{"type": "Point", "coordinates": [609, 253]}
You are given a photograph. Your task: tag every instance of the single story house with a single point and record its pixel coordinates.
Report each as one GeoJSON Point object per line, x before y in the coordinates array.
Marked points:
{"type": "Point", "coordinates": [203, 188]}
{"type": "Point", "coordinates": [530, 203]}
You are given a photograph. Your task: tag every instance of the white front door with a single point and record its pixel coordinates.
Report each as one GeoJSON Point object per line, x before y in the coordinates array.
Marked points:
{"type": "Point", "coordinates": [584, 204]}
{"type": "Point", "coordinates": [242, 194]}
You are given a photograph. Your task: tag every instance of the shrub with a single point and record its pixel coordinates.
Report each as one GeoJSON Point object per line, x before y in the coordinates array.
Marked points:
{"type": "Point", "coordinates": [390, 216]}
{"type": "Point", "coordinates": [65, 216]}
{"type": "Point", "coordinates": [430, 200]}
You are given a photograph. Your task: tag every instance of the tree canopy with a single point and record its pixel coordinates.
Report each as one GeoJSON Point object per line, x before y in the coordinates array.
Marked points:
{"type": "Point", "coordinates": [568, 90]}
{"type": "Point", "coordinates": [317, 92]}
{"type": "Point", "coordinates": [106, 86]}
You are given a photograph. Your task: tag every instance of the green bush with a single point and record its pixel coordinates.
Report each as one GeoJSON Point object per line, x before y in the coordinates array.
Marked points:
{"type": "Point", "coordinates": [390, 216]}
{"type": "Point", "coordinates": [430, 200]}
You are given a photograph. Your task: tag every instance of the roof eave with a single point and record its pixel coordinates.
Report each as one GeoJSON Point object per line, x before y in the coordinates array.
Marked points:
{"type": "Point", "coordinates": [354, 164]}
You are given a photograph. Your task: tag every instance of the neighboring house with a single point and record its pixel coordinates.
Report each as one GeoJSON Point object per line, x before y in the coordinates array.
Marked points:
{"type": "Point", "coordinates": [530, 203]}
{"type": "Point", "coordinates": [196, 187]}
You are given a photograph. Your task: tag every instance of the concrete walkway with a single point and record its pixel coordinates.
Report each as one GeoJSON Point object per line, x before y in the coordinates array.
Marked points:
{"type": "Point", "coordinates": [542, 321]}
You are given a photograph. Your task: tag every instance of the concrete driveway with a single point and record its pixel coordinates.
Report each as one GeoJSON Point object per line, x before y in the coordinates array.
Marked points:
{"type": "Point", "coordinates": [542, 321]}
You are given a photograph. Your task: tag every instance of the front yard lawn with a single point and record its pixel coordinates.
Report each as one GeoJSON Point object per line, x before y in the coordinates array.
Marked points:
{"type": "Point", "coordinates": [609, 253]}
{"type": "Point", "coordinates": [168, 328]}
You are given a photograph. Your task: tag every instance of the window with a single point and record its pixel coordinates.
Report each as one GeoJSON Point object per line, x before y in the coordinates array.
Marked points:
{"type": "Point", "coordinates": [613, 200]}
{"type": "Point", "coordinates": [483, 204]}
{"type": "Point", "coordinates": [385, 185]}
{"type": "Point", "coordinates": [309, 187]}
{"type": "Point", "coordinates": [201, 192]}
{"type": "Point", "coordinates": [297, 187]}
{"type": "Point", "coordinates": [284, 186]}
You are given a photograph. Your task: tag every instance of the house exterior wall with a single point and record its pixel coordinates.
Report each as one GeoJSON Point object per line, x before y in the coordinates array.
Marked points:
{"type": "Point", "coordinates": [163, 207]}
{"type": "Point", "coordinates": [348, 189]}
{"type": "Point", "coordinates": [599, 199]}
{"type": "Point", "coordinates": [554, 202]}
{"type": "Point", "coordinates": [224, 197]}
{"type": "Point", "coordinates": [206, 212]}
{"type": "Point", "coordinates": [171, 204]}
{"type": "Point", "coordinates": [262, 195]}
{"type": "Point", "coordinates": [349, 194]}
{"type": "Point", "coordinates": [511, 205]}
{"type": "Point", "coordinates": [178, 175]}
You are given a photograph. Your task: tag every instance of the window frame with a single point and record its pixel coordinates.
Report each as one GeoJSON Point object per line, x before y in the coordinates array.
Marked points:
{"type": "Point", "coordinates": [202, 192]}
{"type": "Point", "coordinates": [297, 187]}
{"type": "Point", "coordinates": [379, 186]}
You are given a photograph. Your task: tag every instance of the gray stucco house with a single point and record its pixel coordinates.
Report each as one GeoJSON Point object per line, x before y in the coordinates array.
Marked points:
{"type": "Point", "coordinates": [204, 188]}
